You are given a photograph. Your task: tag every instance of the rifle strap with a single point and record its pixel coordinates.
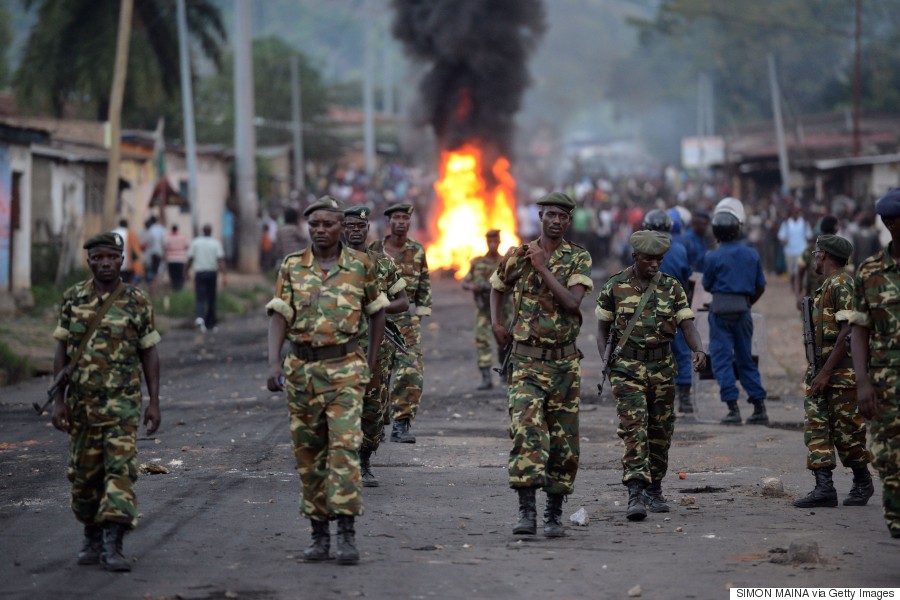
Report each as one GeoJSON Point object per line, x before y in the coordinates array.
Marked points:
{"type": "Point", "coordinates": [92, 326]}
{"type": "Point", "coordinates": [637, 314]}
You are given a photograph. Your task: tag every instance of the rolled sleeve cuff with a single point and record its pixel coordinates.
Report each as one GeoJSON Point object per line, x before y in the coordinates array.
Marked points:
{"type": "Point", "coordinates": [497, 284]}
{"type": "Point", "coordinates": [60, 334]}
{"type": "Point", "coordinates": [150, 340]}
{"type": "Point", "coordinates": [684, 313]}
{"type": "Point", "coordinates": [843, 315]}
{"type": "Point", "coordinates": [277, 305]}
{"type": "Point", "coordinates": [579, 279]}
{"type": "Point", "coordinates": [603, 315]}
{"type": "Point", "coordinates": [397, 287]}
{"type": "Point", "coordinates": [859, 318]}
{"type": "Point", "coordinates": [423, 311]}
{"type": "Point", "coordinates": [377, 304]}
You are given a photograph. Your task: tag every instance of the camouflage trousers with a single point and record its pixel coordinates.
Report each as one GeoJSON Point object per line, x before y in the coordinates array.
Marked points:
{"type": "Point", "coordinates": [484, 335]}
{"type": "Point", "coordinates": [102, 468]}
{"type": "Point", "coordinates": [324, 405]}
{"type": "Point", "coordinates": [833, 421]}
{"type": "Point", "coordinates": [375, 405]}
{"type": "Point", "coordinates": [645, 398]}
{"type": "Point", "coordinates": [543, 413]}
{"type": "Point", "coordinates": [404, 388]}
{"type": "Point", "coordinates": [885, 442]}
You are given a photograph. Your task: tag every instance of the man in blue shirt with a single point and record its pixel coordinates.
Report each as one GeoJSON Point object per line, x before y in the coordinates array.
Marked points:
{"type": "Point", "coordinates": [694, 239]}
{"type": "Point", "coordinates": [733, 274]}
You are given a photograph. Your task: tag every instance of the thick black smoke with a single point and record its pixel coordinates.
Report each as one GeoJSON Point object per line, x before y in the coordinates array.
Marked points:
{"type": "Point", "coordinates": [478, 51]}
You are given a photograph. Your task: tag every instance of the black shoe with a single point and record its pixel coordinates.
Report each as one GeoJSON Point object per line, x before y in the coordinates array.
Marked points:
{"type": "Point", "coordinates": [823, 495]}
{"type": "Point", "coordinates": [92, 546]}
{"type": "Point", "coordinates": [683, 392]}
{"type": "Point", "coordinates": [734, 415]}
{"type": "Point", "coordinates": [862, 488]}
{"type": "Point", "coordinates": [553, 526]}
{"type": "Point", "coordinates": [527, 523]}
{"type": "Point", "coordinates": [636, 510]}
{"type": "Point", "coordinates": [486, 382]}
{"type": "Point", "coordinates": [759, 416]}
{"type": "Point", "coordinates": [112, 557]}
{"type": "Point", "coordinates": [365, 468]}
{"type": "Point", "coordinates": [321, 542]}
{"type": "Point", "coordinates": [346, 552]}
{"type": "Point", "coordinates": [400, 433]}
{"type": "Point", "coordinates": [653, 498]}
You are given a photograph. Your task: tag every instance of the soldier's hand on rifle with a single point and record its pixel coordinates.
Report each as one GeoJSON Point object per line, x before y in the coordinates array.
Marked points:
{"type": "Point", "coordinates": [501, 335]}
{"type": "Point", "coordinates": [819, 382]}
{"type": "Point", "coordinates": [61, 415]}
{"type": "Point", "coordinates": [537, 256]}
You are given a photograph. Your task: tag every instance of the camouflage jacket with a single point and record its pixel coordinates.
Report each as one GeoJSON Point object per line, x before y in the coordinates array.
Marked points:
{"type": "Point", "coordinates": [876, 306]}
{"type": "Point", "coordinates": [480, 275]}
{"type": "Point", "coordinates": [326, 309]}
{"type": "Point", "coordinates": [833, 305]}
{"type": "Point", "coordinates": [389, 282]}
{"type": "Point", "coordinates": [106, 381]}
{"type": "Point", "coordinates": [540, 320]}
{"type": "Point", "coordinates": [661, 316]}
{"type": "Point", "coordinates": [414, 270]}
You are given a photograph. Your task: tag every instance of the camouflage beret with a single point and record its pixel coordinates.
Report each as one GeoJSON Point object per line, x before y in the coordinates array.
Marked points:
{"type": "Point", "coordinates": [889, 204]}
{"type": "Point", "coordinates": [492, 233]}
{"type": "Point", "coordinates": [406, 208]}
{"type": "Point", "coordinates": [326, 203]}
{"type": "Point", "coordinates": [557, 199]}
{"type": "Point", "coordinates": [651, 243]}
{"type": "Point", "coordinates": [835, 245]}
{"type": "Point", "coordinates": [108, 239]}
{"type": "Point", "coordinates": [359, 211]}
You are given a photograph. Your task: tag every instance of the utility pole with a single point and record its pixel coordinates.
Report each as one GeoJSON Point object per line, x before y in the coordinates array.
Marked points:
{"type": "Point", "coordinates": [297, 125]}
{"type": "Point", "coordinates": [387, 72]}
{"type": "Point", "coordinates": [368, 92]}
{"type": "Point", "coordinates": [779, 126]}
{"type": "Point", "coordinates": [187, 102]}
{"type": "Point", "coordinates": [115, 115]}
{"type": "Point", "coordinates": [857, 77]}
{"type": "Point", "coordinates": [245, 142]}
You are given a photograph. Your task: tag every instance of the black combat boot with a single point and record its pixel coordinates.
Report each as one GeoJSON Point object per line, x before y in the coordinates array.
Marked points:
{"type": "Point", "coordinates": [653, 498]}
{"type": "Point", "coordinates": [734, 414]}
{"type": "Point", "coordinates": [112, 557]}
{"type": "Point", "coordinates": [527, 523]}
{"type": "Point", "coordinates": [486, 382]}
{"type": "Point", "coordinates": [400, 433]}
{"type": "Point", "coordinates": [823, 494]}
{"type": "Point", "coordinates": [553, 526]}
{"type": "Point", "coordinates": [636, 510]}
{"type": "Point", "coordinates": [92, 546]}
{"type": "Point", "coordinates": [321, 542]}
{"type": "Point", "coordinates": [759, 416]}
{"type": "Point", "coordinates": [346, 552]}
{"type": "Point", "coordinates": [365, 467]}
{"type": "Point", "coordinates": [862, 488]}
{"type": "Point", "coordinates": [684, 399]}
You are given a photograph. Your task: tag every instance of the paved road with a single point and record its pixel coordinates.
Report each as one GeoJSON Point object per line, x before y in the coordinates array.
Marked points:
{"type": "Point", "coordinates": [224, 522]}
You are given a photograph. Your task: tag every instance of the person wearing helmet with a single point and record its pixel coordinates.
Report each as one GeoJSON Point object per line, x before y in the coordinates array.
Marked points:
{"type": "Point", "coordinates": [733, 274]}
{"type": "Point", "coordinates": [675, 263]}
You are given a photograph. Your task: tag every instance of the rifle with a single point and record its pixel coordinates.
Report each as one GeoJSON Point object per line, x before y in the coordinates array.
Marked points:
{"type": "Point", "coordinates": [393, 335]}
{"type": "Point", "coordinates": [503, 371]}
{"type": "Point", "coordinates": [813, 353]}
{"type": "Point", "coordinates": [609, 357]}
{"type": "Point", "coordinates": [60, 381]}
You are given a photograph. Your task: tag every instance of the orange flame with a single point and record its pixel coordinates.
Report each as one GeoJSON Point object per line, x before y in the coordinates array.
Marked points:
{"type": "Point", "coordinates": [467, 209]}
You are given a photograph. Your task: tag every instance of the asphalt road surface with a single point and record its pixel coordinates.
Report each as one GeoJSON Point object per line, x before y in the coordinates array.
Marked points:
{"type": "Point", "coordinates": [224, 522]}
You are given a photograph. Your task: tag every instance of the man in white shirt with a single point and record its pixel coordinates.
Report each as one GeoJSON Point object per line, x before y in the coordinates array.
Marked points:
{"type": "Point", "coordinates": [794, 234]}
{"type": "Point", "coordinates": [207, 256]}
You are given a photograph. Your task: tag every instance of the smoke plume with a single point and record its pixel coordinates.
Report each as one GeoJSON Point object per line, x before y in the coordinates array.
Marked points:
{"type": "Point", "coordinates": [478, 51]}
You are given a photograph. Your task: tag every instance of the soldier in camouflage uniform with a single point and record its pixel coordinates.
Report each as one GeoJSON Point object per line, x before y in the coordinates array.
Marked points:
{"type": "Point", "coordinates": [103, 409]}
{"type": "Point", "coordinates": [808, 281]}
{"type": "Point", "coordinates": [876, 355]}
{"type": "Point", "coordinates": [832, 418]}
{"type": "Point", "coordinates": [320, 297]}
{"type": "Point", "coordinates": [408, 369]}
{"type": "Point", "coordinates": [642, 375]}
{"type": "Point", "coordinates": [374, 410]}
{"type": "Point", "coordinates": [548, 279]}
{"type": "Point", "coordinates": [477, 281]}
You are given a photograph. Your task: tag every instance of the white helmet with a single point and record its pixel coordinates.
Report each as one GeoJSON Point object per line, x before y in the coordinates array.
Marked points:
{"type": "Point", "coordinates": [733, 206]}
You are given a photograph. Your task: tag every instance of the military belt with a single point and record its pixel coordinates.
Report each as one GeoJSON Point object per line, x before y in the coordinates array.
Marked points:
{"type": "Point", "coordinates": [645, 354]}
{"type": "Point", "coordinates": [555, 353]}
{"type": "Point", "coordinates": [310, 353]}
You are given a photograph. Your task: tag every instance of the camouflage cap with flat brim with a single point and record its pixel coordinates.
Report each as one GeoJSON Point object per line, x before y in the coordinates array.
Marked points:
{"type": "Point", "coordinates": [651, 243]}
{"type": "Point", "coordinates": [107, 239]}
{"type": "Point", "coordinates": [326, 203]}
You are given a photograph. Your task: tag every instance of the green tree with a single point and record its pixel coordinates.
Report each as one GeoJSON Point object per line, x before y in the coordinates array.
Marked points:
{"type": "Point", "coordinates": [67, 63]}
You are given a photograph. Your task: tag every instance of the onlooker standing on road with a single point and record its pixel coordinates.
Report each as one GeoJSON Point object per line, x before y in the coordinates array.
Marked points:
{"type": "Point", "coordinates": [548, 277]}
{"type": "Point", "coordinates": [320, 297]}
{"type": "Point", "coordinates": [207, 257]}
{"type": "Point", "coordinates": [176, 255]}
{"type": "Point", "coordinates": [794, 234]}
{"type": "Point", "coordinates": [153, 252]}
{"type": "Point", "coordinates": [289, 238]}
{"type": "Point", "coordinates": [132, 265]}
{"type": "Point", "coordinates": [103, 409]}
{"type": "Point", "coordinates": [832, 418]}
{"type": "Point", "coordinates": [876, 355]}
{"type": "Point", "coordinates": [694, 239]}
